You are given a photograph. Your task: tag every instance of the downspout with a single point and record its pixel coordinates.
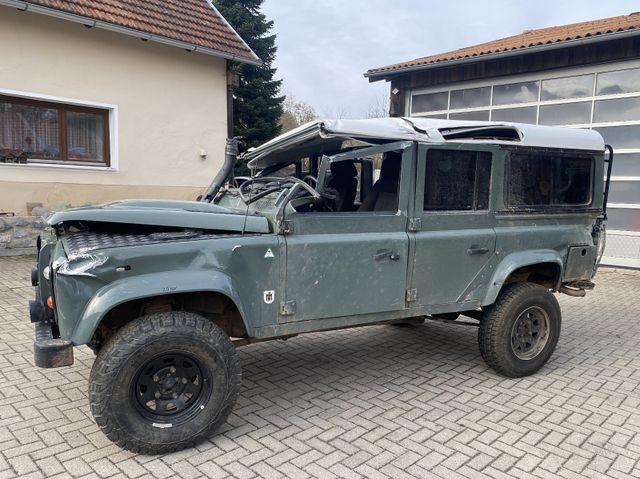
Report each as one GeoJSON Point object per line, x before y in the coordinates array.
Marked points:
{"type": "Point", "coordinates": [232, 82]}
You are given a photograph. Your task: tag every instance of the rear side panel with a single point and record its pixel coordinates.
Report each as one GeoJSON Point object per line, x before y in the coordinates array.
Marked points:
{"type": "Point", "coordinates": [565, 229]}
{"type": "Point", "coordinates": [581, 261]}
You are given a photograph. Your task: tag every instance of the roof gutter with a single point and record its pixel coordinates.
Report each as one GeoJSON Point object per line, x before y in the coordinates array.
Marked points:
{"type": "Point", "coordinates": [374, 76]}
{"type": "Point", "coordinates": [92, 23]}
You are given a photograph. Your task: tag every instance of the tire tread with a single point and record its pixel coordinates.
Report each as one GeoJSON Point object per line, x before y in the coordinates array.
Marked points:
{"type": "Point", "coordinates": [137, 334]}
{"type": "Point", "coordinates": [492, 348]}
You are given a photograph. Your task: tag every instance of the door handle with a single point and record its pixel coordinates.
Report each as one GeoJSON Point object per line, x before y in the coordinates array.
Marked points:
{"type": "Point", "coordinates": [392, 255]}
{"type": "Point", "coordinates": [477, 250]}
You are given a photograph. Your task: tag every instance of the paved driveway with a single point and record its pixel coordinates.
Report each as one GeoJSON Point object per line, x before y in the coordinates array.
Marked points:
{"type": "Point", "coordinates": [371, 402]}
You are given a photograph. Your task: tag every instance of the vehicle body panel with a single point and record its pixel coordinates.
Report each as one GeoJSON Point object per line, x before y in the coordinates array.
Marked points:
{"type": "Point", "coordinates": [234, 266]}
{"type": "Point", "coordinates": [290, 271]}
{"type": "Point", "coordinates": [447, 268]}
{"type": "Point", "coordinates": [187, 214]}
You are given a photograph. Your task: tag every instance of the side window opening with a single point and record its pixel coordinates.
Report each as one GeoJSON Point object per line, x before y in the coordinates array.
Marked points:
{"type": "Point", "coordinates": [348, 183]}
{"type": "Point", "coordinates": [384, 193]}
{"type": "Point", "coordinates": [541, 179]}
{"type": "Point", "coordinates": [457, 180]}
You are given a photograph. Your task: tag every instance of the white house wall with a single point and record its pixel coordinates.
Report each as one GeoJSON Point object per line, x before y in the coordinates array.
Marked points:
{"type": "Point", "coordinates": [167, 106]}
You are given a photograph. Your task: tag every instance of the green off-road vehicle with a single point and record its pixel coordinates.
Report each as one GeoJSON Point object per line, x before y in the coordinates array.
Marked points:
{"type": "Point", "coordinates": [483, 221]}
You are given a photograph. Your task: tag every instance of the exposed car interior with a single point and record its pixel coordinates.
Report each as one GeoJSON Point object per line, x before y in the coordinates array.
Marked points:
{"type": "Point", "coordinates": [344, 181]}
{"type": "Point", "coordinates": [384, 194]}
{"type": "Point", "coordinates": [325, 184]}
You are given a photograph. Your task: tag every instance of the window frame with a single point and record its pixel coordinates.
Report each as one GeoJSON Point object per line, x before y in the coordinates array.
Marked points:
{"type": "Point", "coordinates": [550, 208]}
{"type": "Point", "coordinates": [62, 106]}
{"type": "Point", "coordinates": [422, 183]}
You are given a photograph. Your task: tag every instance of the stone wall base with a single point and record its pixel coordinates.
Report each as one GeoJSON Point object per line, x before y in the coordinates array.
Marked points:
{"type": "Point", "coordinates": [18, 234]}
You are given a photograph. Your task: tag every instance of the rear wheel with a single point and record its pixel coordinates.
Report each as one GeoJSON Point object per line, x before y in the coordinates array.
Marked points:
{"type": "Point", "coordinates": [163, 382]}
{"type": "Point", "coordinates": [518, 333]}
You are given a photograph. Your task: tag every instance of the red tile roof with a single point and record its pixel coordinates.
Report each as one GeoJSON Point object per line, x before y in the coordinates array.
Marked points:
{"type": "Point", "coordinates": [529, 38]}
{"type": "Point", "coordinates": [193, 22]}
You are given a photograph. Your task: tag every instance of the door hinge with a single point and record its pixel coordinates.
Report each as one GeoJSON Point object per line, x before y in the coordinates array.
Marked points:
{"type": "Point", "coordinates": [412, 295]}
{"type": "Point", "coordinates": [287, 308]}
{"type": "Point", "coordinates": [285, 227]}
{"type": "Point", "coordinates": [415, 224]}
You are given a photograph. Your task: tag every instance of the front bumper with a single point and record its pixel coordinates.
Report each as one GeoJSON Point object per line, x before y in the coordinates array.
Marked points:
{"type": "Point", "coordinates": [50, 352]}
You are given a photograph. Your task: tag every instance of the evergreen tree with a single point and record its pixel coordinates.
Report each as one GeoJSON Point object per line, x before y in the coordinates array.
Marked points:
{"type": "Point", "coordinates": [257, 106]}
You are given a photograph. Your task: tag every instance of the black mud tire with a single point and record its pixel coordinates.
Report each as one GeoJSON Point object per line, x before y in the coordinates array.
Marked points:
{"type": "Point", "coordinates": [502, 346]}
{"type": "Point", "coordinates": [114, 382]}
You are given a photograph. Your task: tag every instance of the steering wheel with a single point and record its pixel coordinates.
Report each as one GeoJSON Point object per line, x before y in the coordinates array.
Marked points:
{"type": "Point", "coordinates": [310, 180]}
{"type": "Point", "coordinates": [273, 184]}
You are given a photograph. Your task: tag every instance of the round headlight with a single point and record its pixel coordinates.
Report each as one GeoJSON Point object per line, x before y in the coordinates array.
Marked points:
{"type": "Point", "coordinates": [46, 273]}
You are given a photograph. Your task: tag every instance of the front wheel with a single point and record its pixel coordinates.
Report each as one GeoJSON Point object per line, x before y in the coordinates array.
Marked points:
{"type": "Point", "coordinates": [520, 331]}
{"type": "Point", "coordinates": [163, 382]}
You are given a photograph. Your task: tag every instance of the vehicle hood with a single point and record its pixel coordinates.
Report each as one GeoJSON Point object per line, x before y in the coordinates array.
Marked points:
{"type": "Point", "coordinates": [180, 214]}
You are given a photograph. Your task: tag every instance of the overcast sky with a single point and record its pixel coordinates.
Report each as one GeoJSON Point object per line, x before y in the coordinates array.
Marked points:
{"type": "Point", "coordinates": [325, 46]}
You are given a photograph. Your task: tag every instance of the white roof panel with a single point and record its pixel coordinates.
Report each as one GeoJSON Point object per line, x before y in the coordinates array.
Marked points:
{"type": "Point", "coordinates": [317, 133]}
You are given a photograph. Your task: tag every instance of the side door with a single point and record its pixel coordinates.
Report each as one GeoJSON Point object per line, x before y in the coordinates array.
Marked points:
{"type": "Point", "coordinates": [455, 241]}
{"type": "Point", "coordinates": [348, 263]}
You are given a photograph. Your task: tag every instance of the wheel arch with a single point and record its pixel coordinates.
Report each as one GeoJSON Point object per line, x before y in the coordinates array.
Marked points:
{"type": "Point", "coordinates": [536, 266]}
{"type": "Point", "coordinates": [159, 290]}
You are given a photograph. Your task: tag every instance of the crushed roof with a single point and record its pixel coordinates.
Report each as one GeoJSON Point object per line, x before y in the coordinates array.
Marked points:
{"type": "Point", "coordinates": [527, 39]}
{"type": "Point", "coordinates": [313, 137]}
{"type": "Point", "coordinates": [195, 22]}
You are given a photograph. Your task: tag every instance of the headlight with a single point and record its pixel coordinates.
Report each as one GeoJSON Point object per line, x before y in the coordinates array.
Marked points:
{"type": "Point", "coordinates": [46, 273]}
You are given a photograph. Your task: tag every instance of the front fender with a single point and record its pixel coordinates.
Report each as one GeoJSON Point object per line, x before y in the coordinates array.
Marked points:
{"type": "Point", "coordinates": [512, 262]}
{"type": "Point", "coordinates": [150, 285]}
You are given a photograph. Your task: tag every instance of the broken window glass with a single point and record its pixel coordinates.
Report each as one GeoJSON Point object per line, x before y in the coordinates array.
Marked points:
{"type": "Point", "coordinates": [539, 179]}
{"type": "Point", "coordinates": [457, 180]}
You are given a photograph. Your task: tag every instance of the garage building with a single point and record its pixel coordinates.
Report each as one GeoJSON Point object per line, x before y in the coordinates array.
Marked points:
{"type": "Point", "coordinates": [583, 75]}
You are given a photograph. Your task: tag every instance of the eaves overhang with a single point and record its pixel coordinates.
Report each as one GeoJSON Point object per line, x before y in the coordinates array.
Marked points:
{"type": "Point", "coordinates": [386, 74]}
{"type": "Point", "coordinates": [92, 23]}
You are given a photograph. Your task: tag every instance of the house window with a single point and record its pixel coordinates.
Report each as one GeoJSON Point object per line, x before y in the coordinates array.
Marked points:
{"type": "Point", "coordinates": [457, 180]}
{"type": "Point", "coordinates": [33, 131]}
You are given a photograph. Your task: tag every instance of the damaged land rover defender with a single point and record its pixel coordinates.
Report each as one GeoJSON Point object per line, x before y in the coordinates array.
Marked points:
{"type": "Point", "coordinates": [468, 222]}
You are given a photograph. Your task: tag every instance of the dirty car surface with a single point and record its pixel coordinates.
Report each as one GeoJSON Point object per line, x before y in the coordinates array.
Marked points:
{"type": "Point", "coordinates": [343, 223]}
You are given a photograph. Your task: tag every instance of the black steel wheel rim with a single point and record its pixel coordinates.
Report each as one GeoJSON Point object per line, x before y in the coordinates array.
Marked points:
{"type": "Point", "coordinates": [530, 333]}
{"type": "Point", "coordinates": [171, 388]}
